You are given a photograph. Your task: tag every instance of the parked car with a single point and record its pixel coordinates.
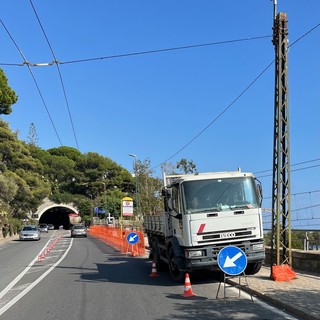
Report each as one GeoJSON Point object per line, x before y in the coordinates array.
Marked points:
{"type": "Point", "coordinates": [43, 227]}
{"type": "Point", "coordinates": [50, 226]}
{"type": "Point", "coordinates": [78, 230]}
{"type": "Point", "coordinates": [30, 232]}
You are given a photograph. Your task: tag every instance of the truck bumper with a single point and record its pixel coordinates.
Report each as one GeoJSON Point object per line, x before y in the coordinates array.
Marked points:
{"type": "Point", "coordinates": [210, 256]}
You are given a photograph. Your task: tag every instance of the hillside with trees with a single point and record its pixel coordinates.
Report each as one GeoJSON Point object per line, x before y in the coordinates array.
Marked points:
{"type": "Point", "coordinates": [29, 174]}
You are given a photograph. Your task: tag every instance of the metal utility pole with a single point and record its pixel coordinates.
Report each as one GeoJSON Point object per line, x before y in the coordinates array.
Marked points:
{"type": "Point", "coordinates": [281, 207]}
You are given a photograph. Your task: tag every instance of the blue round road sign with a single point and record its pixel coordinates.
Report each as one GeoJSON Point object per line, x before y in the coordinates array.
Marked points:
{"type": "Point", "coordinates": [132, 238]}
{"type": "Point", "coordinates": [232, 260]}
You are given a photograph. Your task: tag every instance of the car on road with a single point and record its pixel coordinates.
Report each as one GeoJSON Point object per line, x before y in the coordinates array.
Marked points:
{"type": "Point", "coordinates": [50, 226]}
{"type": "Point", "coordinates": [78, 230]}
{"type": "Point", "coordinates": [43, 227]}
{"type": "Point", "coordinates": [30, 232]}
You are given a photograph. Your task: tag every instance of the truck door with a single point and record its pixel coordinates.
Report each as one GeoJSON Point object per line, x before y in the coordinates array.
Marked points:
{"type": "Point", "coordinates": [176, 223]}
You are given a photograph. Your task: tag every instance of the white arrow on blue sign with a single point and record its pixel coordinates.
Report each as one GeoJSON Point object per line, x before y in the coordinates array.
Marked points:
{"type": "Point", "coordinates": [132, 238]}
{"type": "Point", "coordinates": [232, 260]}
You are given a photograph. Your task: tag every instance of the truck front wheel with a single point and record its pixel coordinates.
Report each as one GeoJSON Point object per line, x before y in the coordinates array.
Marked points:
{"type": "Point", "coordinates": [175, 273]}
{"type": "Point", "coordinates": [253, 268]}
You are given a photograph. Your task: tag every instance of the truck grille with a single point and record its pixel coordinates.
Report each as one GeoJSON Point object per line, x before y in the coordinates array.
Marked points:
{"type": "Point", "coordinates": [217, 249]}
{"type": "Point", "coordinates": [226, 235]}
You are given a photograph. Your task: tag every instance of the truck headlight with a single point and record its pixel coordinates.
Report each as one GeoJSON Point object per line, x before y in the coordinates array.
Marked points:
{"type": "Point", "coordinates": [194, 254]}
{"type": "Point", "coordinates": [257, 247]}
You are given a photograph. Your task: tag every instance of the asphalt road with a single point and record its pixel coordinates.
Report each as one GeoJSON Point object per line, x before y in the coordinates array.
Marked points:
{"type": "Point", "coordinates": [84, 279]}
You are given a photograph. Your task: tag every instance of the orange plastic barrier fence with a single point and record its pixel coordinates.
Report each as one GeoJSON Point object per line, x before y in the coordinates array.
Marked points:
{"type": "Point", "coordinates": [114, 238]}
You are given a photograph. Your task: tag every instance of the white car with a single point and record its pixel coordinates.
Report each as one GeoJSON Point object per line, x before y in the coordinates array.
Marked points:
{"type": "Point", "coordinates": [30, 232]}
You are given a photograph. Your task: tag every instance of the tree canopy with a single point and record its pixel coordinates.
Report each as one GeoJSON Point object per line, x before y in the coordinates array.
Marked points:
{"type": "Point", "coordinates": [7, 96]}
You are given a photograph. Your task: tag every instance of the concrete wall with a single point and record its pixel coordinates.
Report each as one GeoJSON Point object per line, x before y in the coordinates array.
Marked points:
{"type": "Point", "coordinates": [302, 260]}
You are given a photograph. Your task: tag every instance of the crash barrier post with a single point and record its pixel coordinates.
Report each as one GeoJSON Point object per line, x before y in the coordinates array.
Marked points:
{"type": "Point", "coordinates": [118, 240]}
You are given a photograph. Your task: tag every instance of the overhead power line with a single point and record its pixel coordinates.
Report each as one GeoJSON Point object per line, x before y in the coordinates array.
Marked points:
{"type": "Point", "coordinates": [124, 55]}
{"type": "Point", "coordinates": [292, 170]}
{"type": "Point", "coordinates": [297, 194]}
{"type": "Point", "coordinates": [34, 80]}
{"type": "Point", "coordinates": [60, 76]}
{"type": "Point", "coordinates": [167, 49]}
{"type": "Point", "coordinates": [56, 62]}
{"type": "Point", "coordinates": [292, 165]}
{"type": "Point", "coordinates": [229, 106]}
{"type": "Point", "coordinates": [219, 115]}
{"type": "Point", "coordinates": [138, 53]}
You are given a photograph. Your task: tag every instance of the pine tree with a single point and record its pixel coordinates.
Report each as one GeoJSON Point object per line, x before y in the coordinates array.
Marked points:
{"type": "Point", "coordinates": [33, 136]}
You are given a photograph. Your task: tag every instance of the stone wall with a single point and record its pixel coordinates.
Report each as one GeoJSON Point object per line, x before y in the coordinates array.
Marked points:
{"type": "Point", "coordinates": [302, 260]}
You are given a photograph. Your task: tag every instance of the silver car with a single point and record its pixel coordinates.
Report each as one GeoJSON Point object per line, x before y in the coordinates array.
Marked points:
{"type": "Point", "coordinates": [43, 227]}
{"type": "Point", "coordinates": [78, 230]}
{"type": "Point", "coordinates": [30, 232]}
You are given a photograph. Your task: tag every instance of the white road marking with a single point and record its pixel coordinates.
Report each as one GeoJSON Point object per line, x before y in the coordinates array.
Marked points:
{"type": "Point", "coordinates": [32, 285]}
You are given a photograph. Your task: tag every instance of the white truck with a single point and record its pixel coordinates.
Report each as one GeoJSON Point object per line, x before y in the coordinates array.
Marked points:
{"type": "Point", "coordinates": [204, 212]}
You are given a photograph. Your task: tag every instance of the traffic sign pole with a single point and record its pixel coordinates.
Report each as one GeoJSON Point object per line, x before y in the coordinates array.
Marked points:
{"type": "Point", "coordinates": [233, 262]}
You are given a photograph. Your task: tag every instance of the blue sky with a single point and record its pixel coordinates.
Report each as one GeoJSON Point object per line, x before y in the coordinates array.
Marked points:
{"type": "Point", "coordinates": [153, 105]}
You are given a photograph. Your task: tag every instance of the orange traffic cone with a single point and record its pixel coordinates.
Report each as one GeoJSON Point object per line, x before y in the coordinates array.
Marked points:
{"type": "Point", "coordinates": [154, 270]}
{"type": "Point", "coordinates": [187, 287]}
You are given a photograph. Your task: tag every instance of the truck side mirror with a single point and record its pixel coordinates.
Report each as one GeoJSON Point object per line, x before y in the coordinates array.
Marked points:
{"type": "Point", "coordinates": [166, 193]}
{"type": "Point", "coordinates": [259, 190]}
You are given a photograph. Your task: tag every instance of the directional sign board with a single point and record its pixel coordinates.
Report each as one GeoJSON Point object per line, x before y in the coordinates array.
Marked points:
{"type": "Point", "coordinates": [132, 238]}
{"type": "Point", "coordinates": [232, 260]}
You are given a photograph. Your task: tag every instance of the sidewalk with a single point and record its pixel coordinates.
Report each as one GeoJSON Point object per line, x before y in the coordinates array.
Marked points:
{"type": "Point", "coordinates": [300, 296]}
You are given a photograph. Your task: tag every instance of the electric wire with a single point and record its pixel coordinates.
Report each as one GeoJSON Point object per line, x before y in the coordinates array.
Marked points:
{"type": "Point", "coordinates": [173, 49]}
{"type": "Point", "coordinates": [293, 170]}
{"type": "Point", "coordinates": [296, 194]}
{"type": "Point", "coordinates": [218, 116]}
{"type": "Point", "coordinates": [164, 50]}
{"type": "Point", "coordinates": [34, 80]}
{"type": "Point", "coordinates": [138, 53]}
{"type": "Point", "coordinates": [292, 165]}
{"type": "Point", "coordinates": [224, 110]}
{"type": "Point", "coordinates": [60, 75]}
{"type": "Point", "coordinates": [304, 35]}
{"type": "Point", "coordinates": [167, 49]}
{"type": "Point", "coordinates": [308, 207]}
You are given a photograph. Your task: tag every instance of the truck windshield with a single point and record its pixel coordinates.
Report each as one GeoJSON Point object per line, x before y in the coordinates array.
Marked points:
{"type": "Point", "coordinates": [219, 194]}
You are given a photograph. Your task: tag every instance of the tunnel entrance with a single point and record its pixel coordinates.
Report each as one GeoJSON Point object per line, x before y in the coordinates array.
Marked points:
{"type": "Point", "coordinates": [58, 216]}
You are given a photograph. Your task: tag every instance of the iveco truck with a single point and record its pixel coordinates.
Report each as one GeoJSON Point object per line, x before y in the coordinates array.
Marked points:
{"type": "Point", "coordinates": [205, 212]}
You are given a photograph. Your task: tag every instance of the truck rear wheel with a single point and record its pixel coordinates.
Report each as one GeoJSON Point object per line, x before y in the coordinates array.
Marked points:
{"type": "Point", "coordinates": [161, 265]}
{"type": "Point", "coordinates": [253, 268]}
{"type": "Point", "coordinates": [175, 273]}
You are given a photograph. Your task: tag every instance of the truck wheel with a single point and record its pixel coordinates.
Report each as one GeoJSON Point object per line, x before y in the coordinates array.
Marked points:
{"type": "Point", "coordinates": [160, 265]}
{"type": "Point", "coordinates": [175, 273]}
{"type": "Point", "coordinates": [253, 268]}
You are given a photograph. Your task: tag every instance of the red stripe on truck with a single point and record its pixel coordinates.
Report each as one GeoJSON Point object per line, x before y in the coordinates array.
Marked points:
{"type": "Point", "coordinates": [201, 228]}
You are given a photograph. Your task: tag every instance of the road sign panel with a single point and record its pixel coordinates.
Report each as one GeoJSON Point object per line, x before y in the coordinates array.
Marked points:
{"type": "Point", "coordinates": [127, 207]}
{"type": "Point", "coordinates": [232, 260]}
{"type": "Point", "coordinates": [132, 238]}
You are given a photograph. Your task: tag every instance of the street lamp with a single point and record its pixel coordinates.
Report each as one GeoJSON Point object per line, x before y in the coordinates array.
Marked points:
{"type": "Point", "coordinates": [137, 184]}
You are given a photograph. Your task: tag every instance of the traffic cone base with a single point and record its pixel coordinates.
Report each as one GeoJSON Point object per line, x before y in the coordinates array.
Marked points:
{"type": "Point", "coordinates": [187, 287]}
{"type": "Point", "coordinates": [154, 270]}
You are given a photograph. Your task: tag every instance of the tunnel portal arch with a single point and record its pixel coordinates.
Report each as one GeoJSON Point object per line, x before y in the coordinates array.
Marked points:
{"type": "Point", "coordinates": [57, 214]}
